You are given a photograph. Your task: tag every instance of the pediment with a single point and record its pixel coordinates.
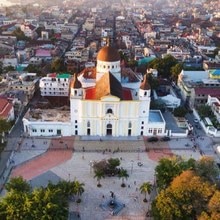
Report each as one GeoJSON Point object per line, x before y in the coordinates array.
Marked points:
{"type": "Point", "coordinates": [110, 98]}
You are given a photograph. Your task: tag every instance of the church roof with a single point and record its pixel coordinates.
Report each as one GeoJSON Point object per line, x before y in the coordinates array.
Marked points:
{"type": "Point", "coordinates": [145, 85]}
{"type": "Point", "coordinates": [108, 54]}
{"type": "Point", "coordinates": [107, 85]}
{"type": "Point", "coordinates": [75, 83]}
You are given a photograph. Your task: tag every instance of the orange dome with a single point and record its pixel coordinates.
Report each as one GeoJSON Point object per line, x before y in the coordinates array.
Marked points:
{"type": "Point", "coordinates": [108, 54]}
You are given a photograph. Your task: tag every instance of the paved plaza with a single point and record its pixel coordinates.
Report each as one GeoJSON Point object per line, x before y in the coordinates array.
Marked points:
{"type": "Point", "coordinates": [40, 160]}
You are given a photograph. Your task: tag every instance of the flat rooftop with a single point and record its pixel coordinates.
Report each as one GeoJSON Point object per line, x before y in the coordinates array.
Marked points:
{"type": "Point", "coordinates": [155, 116]}
{"type": "Point", "coordinates": [49, 115]}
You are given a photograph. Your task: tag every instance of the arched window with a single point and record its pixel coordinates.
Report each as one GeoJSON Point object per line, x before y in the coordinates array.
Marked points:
{"type": "Point", "coordinates": [109, 111]}
{"type": "Point", "coordinates": [109, 126]}
{"type": "Point", "coordinates": [129, 125]}
{"type": "Point", "coordinates": [109, 129]}
{"type": "Point", "coordinates": [88, 124]}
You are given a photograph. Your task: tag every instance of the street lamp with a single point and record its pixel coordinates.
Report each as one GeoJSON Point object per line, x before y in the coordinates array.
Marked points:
{"type": "Point", "coordinates": [132, 163]}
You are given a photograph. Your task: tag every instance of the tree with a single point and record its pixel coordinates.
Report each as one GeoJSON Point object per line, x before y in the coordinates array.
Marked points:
{"type": "Point", "coordinates": [113, 163]}
{"type": "Point", "coordinates": [99, 174]}
{"type": "Point", "coordinates": [163, 65]}
{"type": "Point", "coordinates": [32, 69]}
{"type": "Point", "coordinates": [48, 204]}
{"type": "Point", "coordinates": [57, 65]}
{"type": "Point", "coordinates": [185, 198]}
{"type": "Point", "coordinates": [123, 174]}
{"type": "Point", "coordinates": [8, 69]}
{"type": "Point", "coordinates": [100, 165]}
{"type": "Point", "coordinates": [145, 188]}
{"type": "Point", "coordinates": [78, 189]}
{"type": "Point", "coordinates": [168, 168]}
{"type": "Point", "coordinates": [4, 128]}
{"type": "Point", "coordinates": [206, 168]}
{"type": "Point", "coordinates": [19, 34]}
{"type": "Point", "coordinates": [180, 111]}
{"type": "Point", "coordinates": [21, 203]}
{"type": "Point", "coordinates": [176, 70]}
{"type": "Point", "coordinates": [18, 185]}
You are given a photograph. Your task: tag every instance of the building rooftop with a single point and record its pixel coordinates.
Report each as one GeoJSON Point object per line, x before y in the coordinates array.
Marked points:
{"type": "Point", "coordinates": [48, 115]}
{"type": "Point", "coordinates": [155, 116]}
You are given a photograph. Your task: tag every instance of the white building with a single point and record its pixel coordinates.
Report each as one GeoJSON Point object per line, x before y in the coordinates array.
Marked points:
{"type": "Point", "coordinates": [104, 100]}
{"type": "Point", "coordinates": [55, 85]}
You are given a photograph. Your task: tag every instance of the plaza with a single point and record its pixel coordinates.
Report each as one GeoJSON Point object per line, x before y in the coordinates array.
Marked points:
{"type": "Point", "coordinates": [40, 160]}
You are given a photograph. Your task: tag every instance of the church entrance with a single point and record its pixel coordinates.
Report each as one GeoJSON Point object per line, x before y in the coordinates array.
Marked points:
{"type": "Point", "coordinates": [109, 129]}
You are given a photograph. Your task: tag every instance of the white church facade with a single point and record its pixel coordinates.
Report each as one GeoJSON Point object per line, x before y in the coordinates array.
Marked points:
{"type": "Point", "coordinates": [104, 100]}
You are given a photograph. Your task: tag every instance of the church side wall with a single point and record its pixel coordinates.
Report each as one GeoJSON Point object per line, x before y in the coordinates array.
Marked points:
{"type": "Point", "coordinates": [39, 128]}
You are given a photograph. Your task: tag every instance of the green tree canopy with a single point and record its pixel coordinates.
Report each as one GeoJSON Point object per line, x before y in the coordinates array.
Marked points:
{"type": "Point", "coordinates": [19, 34]}
{"type": "Point", "coordinates": [49, 203]}
{"type": "Point", "coordinates": [123, 174]}
{"type": "Point", "coordinates": [18, 185]}
{"type": "Point", "coordinates": [163, 65]}
{"type": "Point", "coordinates": [113, 163]}
{"type": "Point", "coordinates": [4, 125]}
{"type": "Point", "coordinates": [168, 168]}
{"type": "Point", "coordinates": [176, 70]}
{"type": "Point", "coordinates": [145, 188]}
{"type": "Point", "coordinates": [99, 174]}
{"type": "Point", "coordinates": [206, 168]}
{"type": "Point", "coordinates": [57, 65]}
{"type": "Point", "coordinates": [180, 111]}
{"type": "Point", "coordinates": [32, 69]}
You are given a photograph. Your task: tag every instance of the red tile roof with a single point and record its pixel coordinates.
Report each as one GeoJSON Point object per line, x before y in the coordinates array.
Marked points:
{"type": "Point", "coordinates": [5, 108]}
{"type": "Point", "coordinates": [91, 94]}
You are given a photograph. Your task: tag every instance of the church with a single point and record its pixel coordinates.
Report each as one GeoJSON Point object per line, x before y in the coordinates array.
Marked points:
{"type": "Point", "coordinates": [106, 100]}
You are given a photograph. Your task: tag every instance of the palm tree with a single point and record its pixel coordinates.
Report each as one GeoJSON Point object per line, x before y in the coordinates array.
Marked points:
{"type": "Point", "coordinates": [99, 174]}
{"type": "Point", "coordinates": [78, 189]}
{"type": "Point", "coordinates": [145, 188]}
{"type": "Point", "coordinates": [124, 175]}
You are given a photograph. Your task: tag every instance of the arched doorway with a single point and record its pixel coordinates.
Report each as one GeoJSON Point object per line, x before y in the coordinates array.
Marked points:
{"type": "Point", "coordinates": [109, 129]}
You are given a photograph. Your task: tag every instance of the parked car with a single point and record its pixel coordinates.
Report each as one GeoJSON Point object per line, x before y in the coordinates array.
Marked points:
{"type": "Point", "coordinates": [166, 138]}
{"type": "Point", "coordinates": [152, 139]}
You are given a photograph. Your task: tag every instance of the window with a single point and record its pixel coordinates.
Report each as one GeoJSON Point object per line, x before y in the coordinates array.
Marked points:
{"type": "Point", "coordinates": [88, 124]}
{"type": "Point", "coordinates": [145, 93]}
{"type": "Point", "coordinates": [142, 122]}
{"type": "Point", "coordinates": [34, 130]}
{"type": "Point", "coordinates": [75, 121]}
{"type": "Point", "coordinates": [129, 125]}
{"type": "Point", "coordinates": [159, 130]}
{"type": "Point", "coordinates": [50, 130]}
{"type": "Point", "coordinates": [150, 130]}
{"type": "Point", "coordinates": [42, 130]}
{"type": "Point", "coordinates": [109, 111]}
{"type": "Point", "coordinates": [76, 126]}
{"type": "Point", "coordinates": [142, 127]}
